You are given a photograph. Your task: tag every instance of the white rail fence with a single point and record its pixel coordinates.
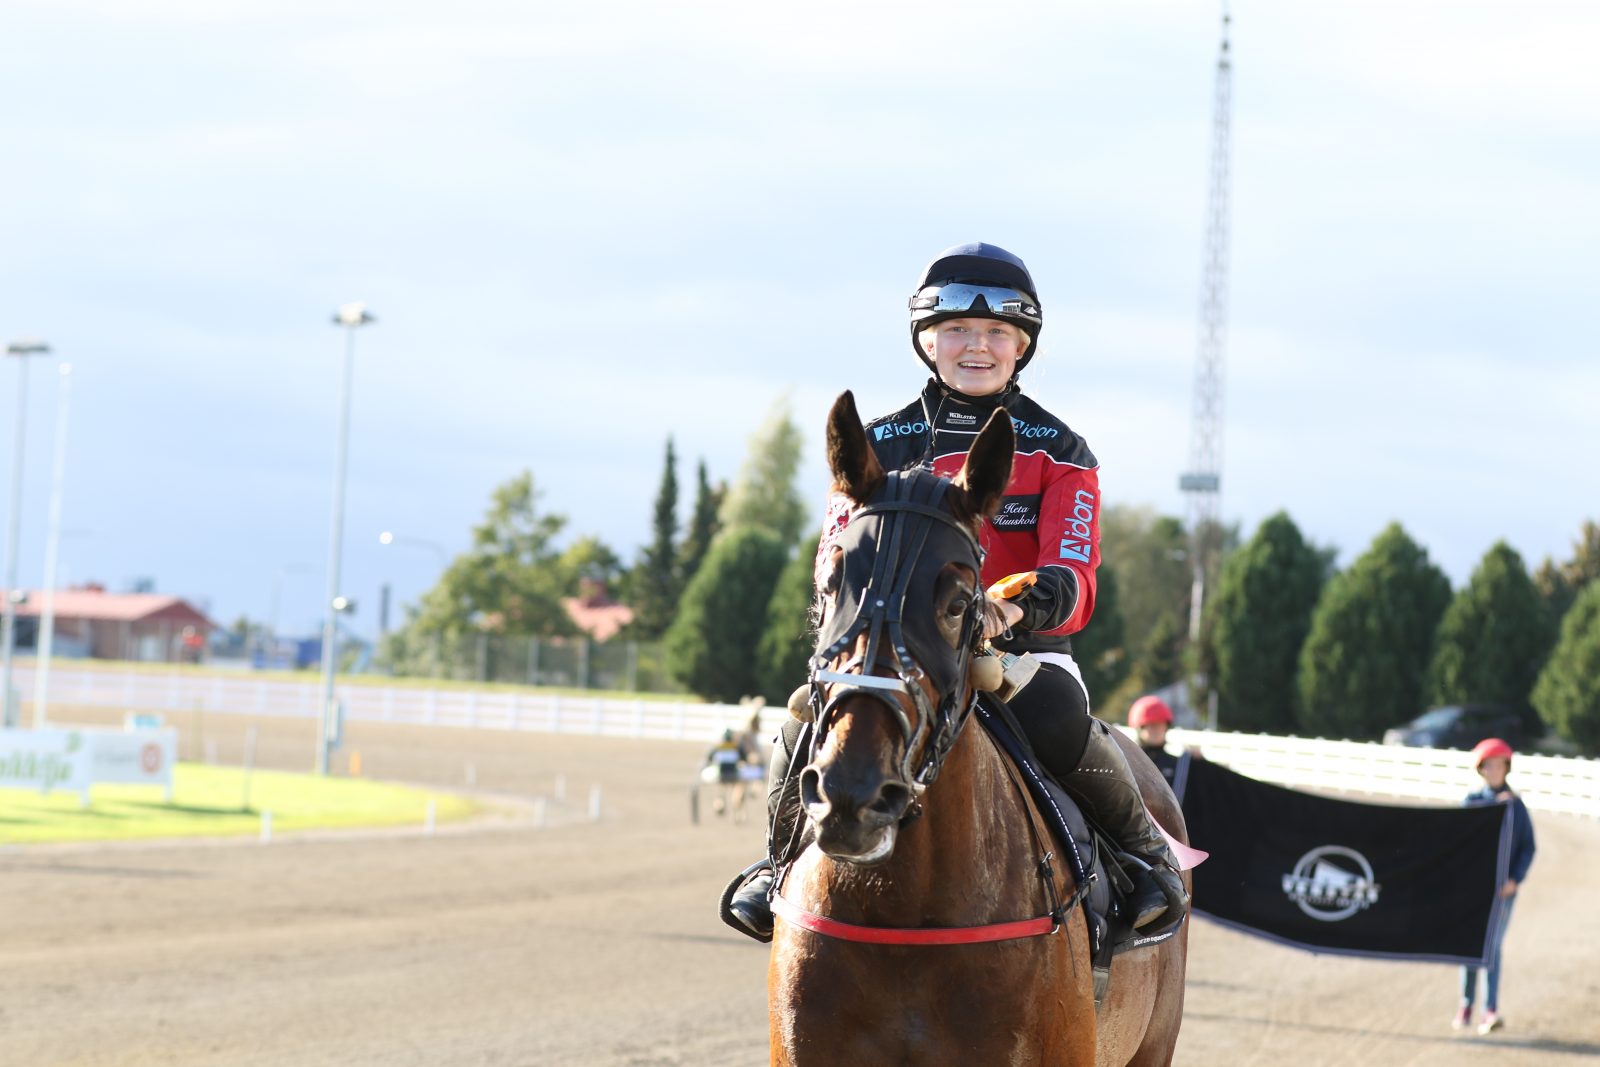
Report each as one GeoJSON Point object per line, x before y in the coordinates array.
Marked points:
{"type": "Point", "coordinates": [1547, 783]}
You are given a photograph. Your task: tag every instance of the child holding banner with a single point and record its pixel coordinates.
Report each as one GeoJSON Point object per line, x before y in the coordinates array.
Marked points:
{"type": "Point", "coordinates": [1493, 759]}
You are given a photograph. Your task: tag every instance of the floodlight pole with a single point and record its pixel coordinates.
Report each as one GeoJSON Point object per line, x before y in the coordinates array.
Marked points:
{"type": "Point", "coordinates": [351, 317]}
{"type": "Point", "coordinates": [22, 349]}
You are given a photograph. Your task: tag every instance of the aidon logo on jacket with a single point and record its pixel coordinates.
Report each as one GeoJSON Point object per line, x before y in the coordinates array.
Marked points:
{"type": "Point", "coordinates": [1077, 544]}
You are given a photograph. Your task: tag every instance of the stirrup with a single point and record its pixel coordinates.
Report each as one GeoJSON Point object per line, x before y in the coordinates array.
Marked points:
{"type": "Point", "coordinates": [1158, 899]}
{"type": "Point", "coordinates": [745, 905]}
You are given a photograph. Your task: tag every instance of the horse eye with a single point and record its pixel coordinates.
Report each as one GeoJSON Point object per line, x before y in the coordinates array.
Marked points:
{"type": "Point", "coordinates": [958, 607]}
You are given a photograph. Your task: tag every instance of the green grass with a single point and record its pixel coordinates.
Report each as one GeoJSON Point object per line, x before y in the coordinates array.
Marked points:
{"type": "Point", "coordinates": [209, 802]}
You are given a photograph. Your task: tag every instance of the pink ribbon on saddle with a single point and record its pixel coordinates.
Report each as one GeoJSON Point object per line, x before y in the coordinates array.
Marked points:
{"type": "Point", "coordinates": [1188, 858]}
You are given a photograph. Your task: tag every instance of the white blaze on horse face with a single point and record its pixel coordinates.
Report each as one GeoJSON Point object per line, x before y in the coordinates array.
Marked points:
{"type": "Point", "coordinates": [976, 356]}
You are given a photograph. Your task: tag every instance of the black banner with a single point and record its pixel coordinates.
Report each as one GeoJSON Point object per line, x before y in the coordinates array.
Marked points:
{"type": "Point", "coordinates": [1345, 877]}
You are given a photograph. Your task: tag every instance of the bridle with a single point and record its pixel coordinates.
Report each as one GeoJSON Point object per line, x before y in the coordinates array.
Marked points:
{"type": "Point", "coordinates": [909, 512]}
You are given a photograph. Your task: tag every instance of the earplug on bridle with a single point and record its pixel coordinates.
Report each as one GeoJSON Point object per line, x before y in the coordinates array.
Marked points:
{"type": "Point", "coordinates": [987, 672]}
{"type": "Point", "coordinates": [800, 703]}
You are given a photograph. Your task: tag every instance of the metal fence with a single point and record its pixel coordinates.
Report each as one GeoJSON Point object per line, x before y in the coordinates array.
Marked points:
{"type": "Point", "coordinates": [578, 663]}
{"type": "Point", "coordinates": [1547, 783]}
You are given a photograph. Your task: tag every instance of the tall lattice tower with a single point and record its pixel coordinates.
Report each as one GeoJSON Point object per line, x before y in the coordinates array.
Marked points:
{"type": "Point", "coordinates": [1202, 482]}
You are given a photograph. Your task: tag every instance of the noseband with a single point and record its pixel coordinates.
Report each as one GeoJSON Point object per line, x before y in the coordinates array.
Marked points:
{"type": "Point", "coordinates": [910, 516]}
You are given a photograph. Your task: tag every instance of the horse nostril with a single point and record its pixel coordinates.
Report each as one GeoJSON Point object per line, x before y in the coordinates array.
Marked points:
{"type": "Point", "coordinates": [893, 800]}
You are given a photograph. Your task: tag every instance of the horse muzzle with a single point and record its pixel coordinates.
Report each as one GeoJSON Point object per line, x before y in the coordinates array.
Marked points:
{"type": "Point", "coordinates": [855, 816]}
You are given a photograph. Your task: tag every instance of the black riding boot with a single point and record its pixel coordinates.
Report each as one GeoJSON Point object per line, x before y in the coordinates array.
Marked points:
{"type": "Point", "coordinates": [750, 904]}
{"type": "Point", "coordinates": [1105, 782]}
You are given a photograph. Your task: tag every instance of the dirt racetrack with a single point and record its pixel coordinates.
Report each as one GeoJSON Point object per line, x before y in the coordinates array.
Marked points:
{"type": "Point", "coordinates": [586, 943]}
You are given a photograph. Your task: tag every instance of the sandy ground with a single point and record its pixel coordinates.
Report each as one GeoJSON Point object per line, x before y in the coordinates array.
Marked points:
{"type": "Point", "coordinates": [596, 943]}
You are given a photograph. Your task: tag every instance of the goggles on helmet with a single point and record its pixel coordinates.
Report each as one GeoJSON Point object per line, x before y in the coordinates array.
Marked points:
{"type": "Point", "coordinates": [958, 298]}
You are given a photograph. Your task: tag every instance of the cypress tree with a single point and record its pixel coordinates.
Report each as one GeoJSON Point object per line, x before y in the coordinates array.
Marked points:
{"type": "Point", "coordinates": [1493, 638]}
{"type": "Point", "coordinates": [655, 579]}
{"type": "Point", "coordinates": [1257, 622]}
{"type": "Point", "coordinates": [711, 644]}
{"type": "Point", "coordinates": [703, 527]}
{"type": "Point", "coordinates": [1365, 660]}
{"type": "Point", "coordinates": [1567, 694]}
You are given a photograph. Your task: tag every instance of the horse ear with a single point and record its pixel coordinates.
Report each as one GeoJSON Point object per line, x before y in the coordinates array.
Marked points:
{"type": "Point", "coordinates": [856, 470]}
{"type": "Point", "coordinates": [987, 470]}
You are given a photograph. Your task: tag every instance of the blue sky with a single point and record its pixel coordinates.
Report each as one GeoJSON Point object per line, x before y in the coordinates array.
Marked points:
{"type": "Point", "coordinates": [586, 227]}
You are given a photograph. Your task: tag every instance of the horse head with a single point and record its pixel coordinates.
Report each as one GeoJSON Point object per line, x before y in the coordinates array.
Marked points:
{"type": "Point", "coordinates": [902, 615]}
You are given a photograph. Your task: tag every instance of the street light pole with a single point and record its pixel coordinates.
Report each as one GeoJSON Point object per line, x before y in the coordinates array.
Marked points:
{"type": "Point", "coordinates": [8, 613]}
{"type": "Point", "coordinates": [351, 317]}
{"type": "Point", "coordinates": [52, 555]}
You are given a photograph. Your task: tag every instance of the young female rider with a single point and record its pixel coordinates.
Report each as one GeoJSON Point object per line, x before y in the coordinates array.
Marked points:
{"type": "Point", "coordinates": [975, 322]}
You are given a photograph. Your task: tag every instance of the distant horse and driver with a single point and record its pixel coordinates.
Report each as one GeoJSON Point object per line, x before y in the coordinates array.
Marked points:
{"type": "Point", "coordinates": [924, 911]}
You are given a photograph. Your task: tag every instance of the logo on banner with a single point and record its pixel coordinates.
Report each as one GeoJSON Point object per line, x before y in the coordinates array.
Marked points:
{"type": "Point", "coordinates": [1332, 883]}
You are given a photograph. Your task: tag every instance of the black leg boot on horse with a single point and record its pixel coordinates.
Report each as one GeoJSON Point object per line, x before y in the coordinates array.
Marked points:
{"type": "Point", "coordinates": [748, 906]}
{"type": "Point", "coordinates": [1105, 783]}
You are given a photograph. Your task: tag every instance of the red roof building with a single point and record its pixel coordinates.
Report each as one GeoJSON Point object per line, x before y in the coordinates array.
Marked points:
{"type": "Point", "coordinates": [131, 626]}
{"type": "Point", "coordinates": [595, 613]}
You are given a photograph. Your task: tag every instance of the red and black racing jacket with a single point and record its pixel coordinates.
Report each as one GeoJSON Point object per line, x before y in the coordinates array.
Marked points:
{"type": "Point", "coordinates": [1049, 520]}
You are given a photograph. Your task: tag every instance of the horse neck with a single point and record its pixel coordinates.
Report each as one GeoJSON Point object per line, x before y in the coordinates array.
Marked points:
{"type": "Point", "coordinates": [961, 861]}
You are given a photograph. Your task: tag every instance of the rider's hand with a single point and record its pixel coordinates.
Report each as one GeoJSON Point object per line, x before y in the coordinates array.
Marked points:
{"type": "Point", "coordinates": [999, 616]}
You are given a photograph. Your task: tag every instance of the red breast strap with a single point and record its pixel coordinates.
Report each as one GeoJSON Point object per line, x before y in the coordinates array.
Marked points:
{"type": "Point", "coordinates": [893, 935]}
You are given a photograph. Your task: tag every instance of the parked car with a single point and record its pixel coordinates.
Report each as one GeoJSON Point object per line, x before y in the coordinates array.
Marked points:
{"type": "Point", "coordinates": [1461, 726]}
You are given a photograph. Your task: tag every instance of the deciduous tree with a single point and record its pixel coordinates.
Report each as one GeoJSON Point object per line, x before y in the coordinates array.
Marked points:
{"type": "Point", "coordinates": [764, 494]}
{"type": "Point", "coordinates": [788, 640]}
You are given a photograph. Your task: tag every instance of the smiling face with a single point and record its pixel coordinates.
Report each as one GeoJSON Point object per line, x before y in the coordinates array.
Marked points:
{"type": "Point", "coordinates": [975, 356]}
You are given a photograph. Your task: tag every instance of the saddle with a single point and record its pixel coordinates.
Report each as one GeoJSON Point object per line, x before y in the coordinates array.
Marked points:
{"type": "Point", "coordinates": [1092, 855]}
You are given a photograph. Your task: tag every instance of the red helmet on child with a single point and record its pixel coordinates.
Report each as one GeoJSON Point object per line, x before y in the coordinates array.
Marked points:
{"type": "Point", "coordinates": [1489, 748]}
{"type": "Point", "coordinates": [1148, 710]}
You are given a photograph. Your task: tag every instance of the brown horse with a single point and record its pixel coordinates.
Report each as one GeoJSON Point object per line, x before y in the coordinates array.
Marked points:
{"type": "Point", "coordinates": [891, 852]}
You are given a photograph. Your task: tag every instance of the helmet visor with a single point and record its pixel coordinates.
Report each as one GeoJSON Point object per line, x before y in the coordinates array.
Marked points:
{"type": "Point", "coordinates": [956, 298]}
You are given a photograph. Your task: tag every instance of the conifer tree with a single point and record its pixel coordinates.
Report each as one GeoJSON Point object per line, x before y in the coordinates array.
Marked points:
{"type": "Point", "coordinates": [1567, 694]}
{"type": "Point", "coordinates": [654, 582]}
{"type": "Point", "coordinates": [703, 526]}
{"type": "Point", "coordinates": [711, 644]}
{"type": "Point", "coordinates": [1365, 660]}
{"type": "Point", "coordinates": [1493, 638]}
{"type": "Point", "coordinates": [1257, 622]}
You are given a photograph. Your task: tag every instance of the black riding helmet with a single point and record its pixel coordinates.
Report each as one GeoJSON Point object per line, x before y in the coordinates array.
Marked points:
{"type": "Point", "coordinates": [976, 280]}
